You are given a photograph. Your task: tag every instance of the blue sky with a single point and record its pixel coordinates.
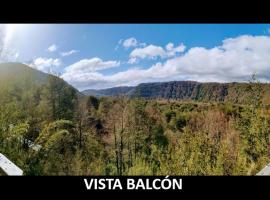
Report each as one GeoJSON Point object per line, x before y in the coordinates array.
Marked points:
{"type": "Point", "coordinates": [108, 55]}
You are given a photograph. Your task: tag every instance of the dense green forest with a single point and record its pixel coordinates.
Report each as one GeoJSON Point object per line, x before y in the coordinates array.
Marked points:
{"type": "Point", "coordinates": [85, 135]}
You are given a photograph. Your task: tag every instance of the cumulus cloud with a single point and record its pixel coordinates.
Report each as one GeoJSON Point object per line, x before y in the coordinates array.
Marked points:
{"type": "Point", "coordinates": [129, 43]}
{"type": "Point", "coordinates": [47, 65]}
{"type": "Point", "coordinates": [150, 51]}
{"type": "Point", "coordinates": [153, 52]}
{"type": "Point", "coordinates": [86, 69]}
{"type": "Point", "coordinates": [68, 53]}
{"type": "Point", "coordinates": [52, 48]}
{"type": "Point", "coordinates": [91, 65]}
{"type": "Point", "coordinates": [234, 60]}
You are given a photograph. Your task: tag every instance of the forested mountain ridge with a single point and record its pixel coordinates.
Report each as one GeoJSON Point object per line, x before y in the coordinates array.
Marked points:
{"type": "Point", "coordinates": [185, 90]}
{"type": "Point", "coordinates": [18, 73]}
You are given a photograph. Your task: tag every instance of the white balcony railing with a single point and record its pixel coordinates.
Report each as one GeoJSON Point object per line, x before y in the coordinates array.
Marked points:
{"type": "Point", "coordinates": [8, 167]}
{"type": "Point", "coordinates": [265, 171]}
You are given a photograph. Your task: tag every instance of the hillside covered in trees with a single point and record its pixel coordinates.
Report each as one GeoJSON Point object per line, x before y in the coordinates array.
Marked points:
{"type": "Point", "coordinates": [185, 90]}
{"type": "Point", "coordinates": [214, 129]}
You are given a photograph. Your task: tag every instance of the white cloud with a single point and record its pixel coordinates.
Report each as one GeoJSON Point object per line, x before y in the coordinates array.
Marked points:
{"type": "Point", "coordinates": [87, 69]}
{"type": "Point", "coordinates": [150, 51]}
{"type": "Point", "coordinates": [235, 60]}
{"type": "Point", "coordinates": [52, 48]}
{"type": "Point", "coordinates": [130, 42]}
{"type": "Point", "coordinates": [91, 65]}
{"type": "Point", "coordinates": [68, 53]}
{"type": "Point", "coordinates": [153, 52]}
{"type": "Point", "coordinates": [47, 65]}
{"type": "Point", "coordinates": [171, 50]}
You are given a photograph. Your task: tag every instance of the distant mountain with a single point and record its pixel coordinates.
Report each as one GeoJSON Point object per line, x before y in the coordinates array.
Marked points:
{"type": "Point", "coordinates": [184, 90]}
{"type": "Point", "coordinates": [109, 92]}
